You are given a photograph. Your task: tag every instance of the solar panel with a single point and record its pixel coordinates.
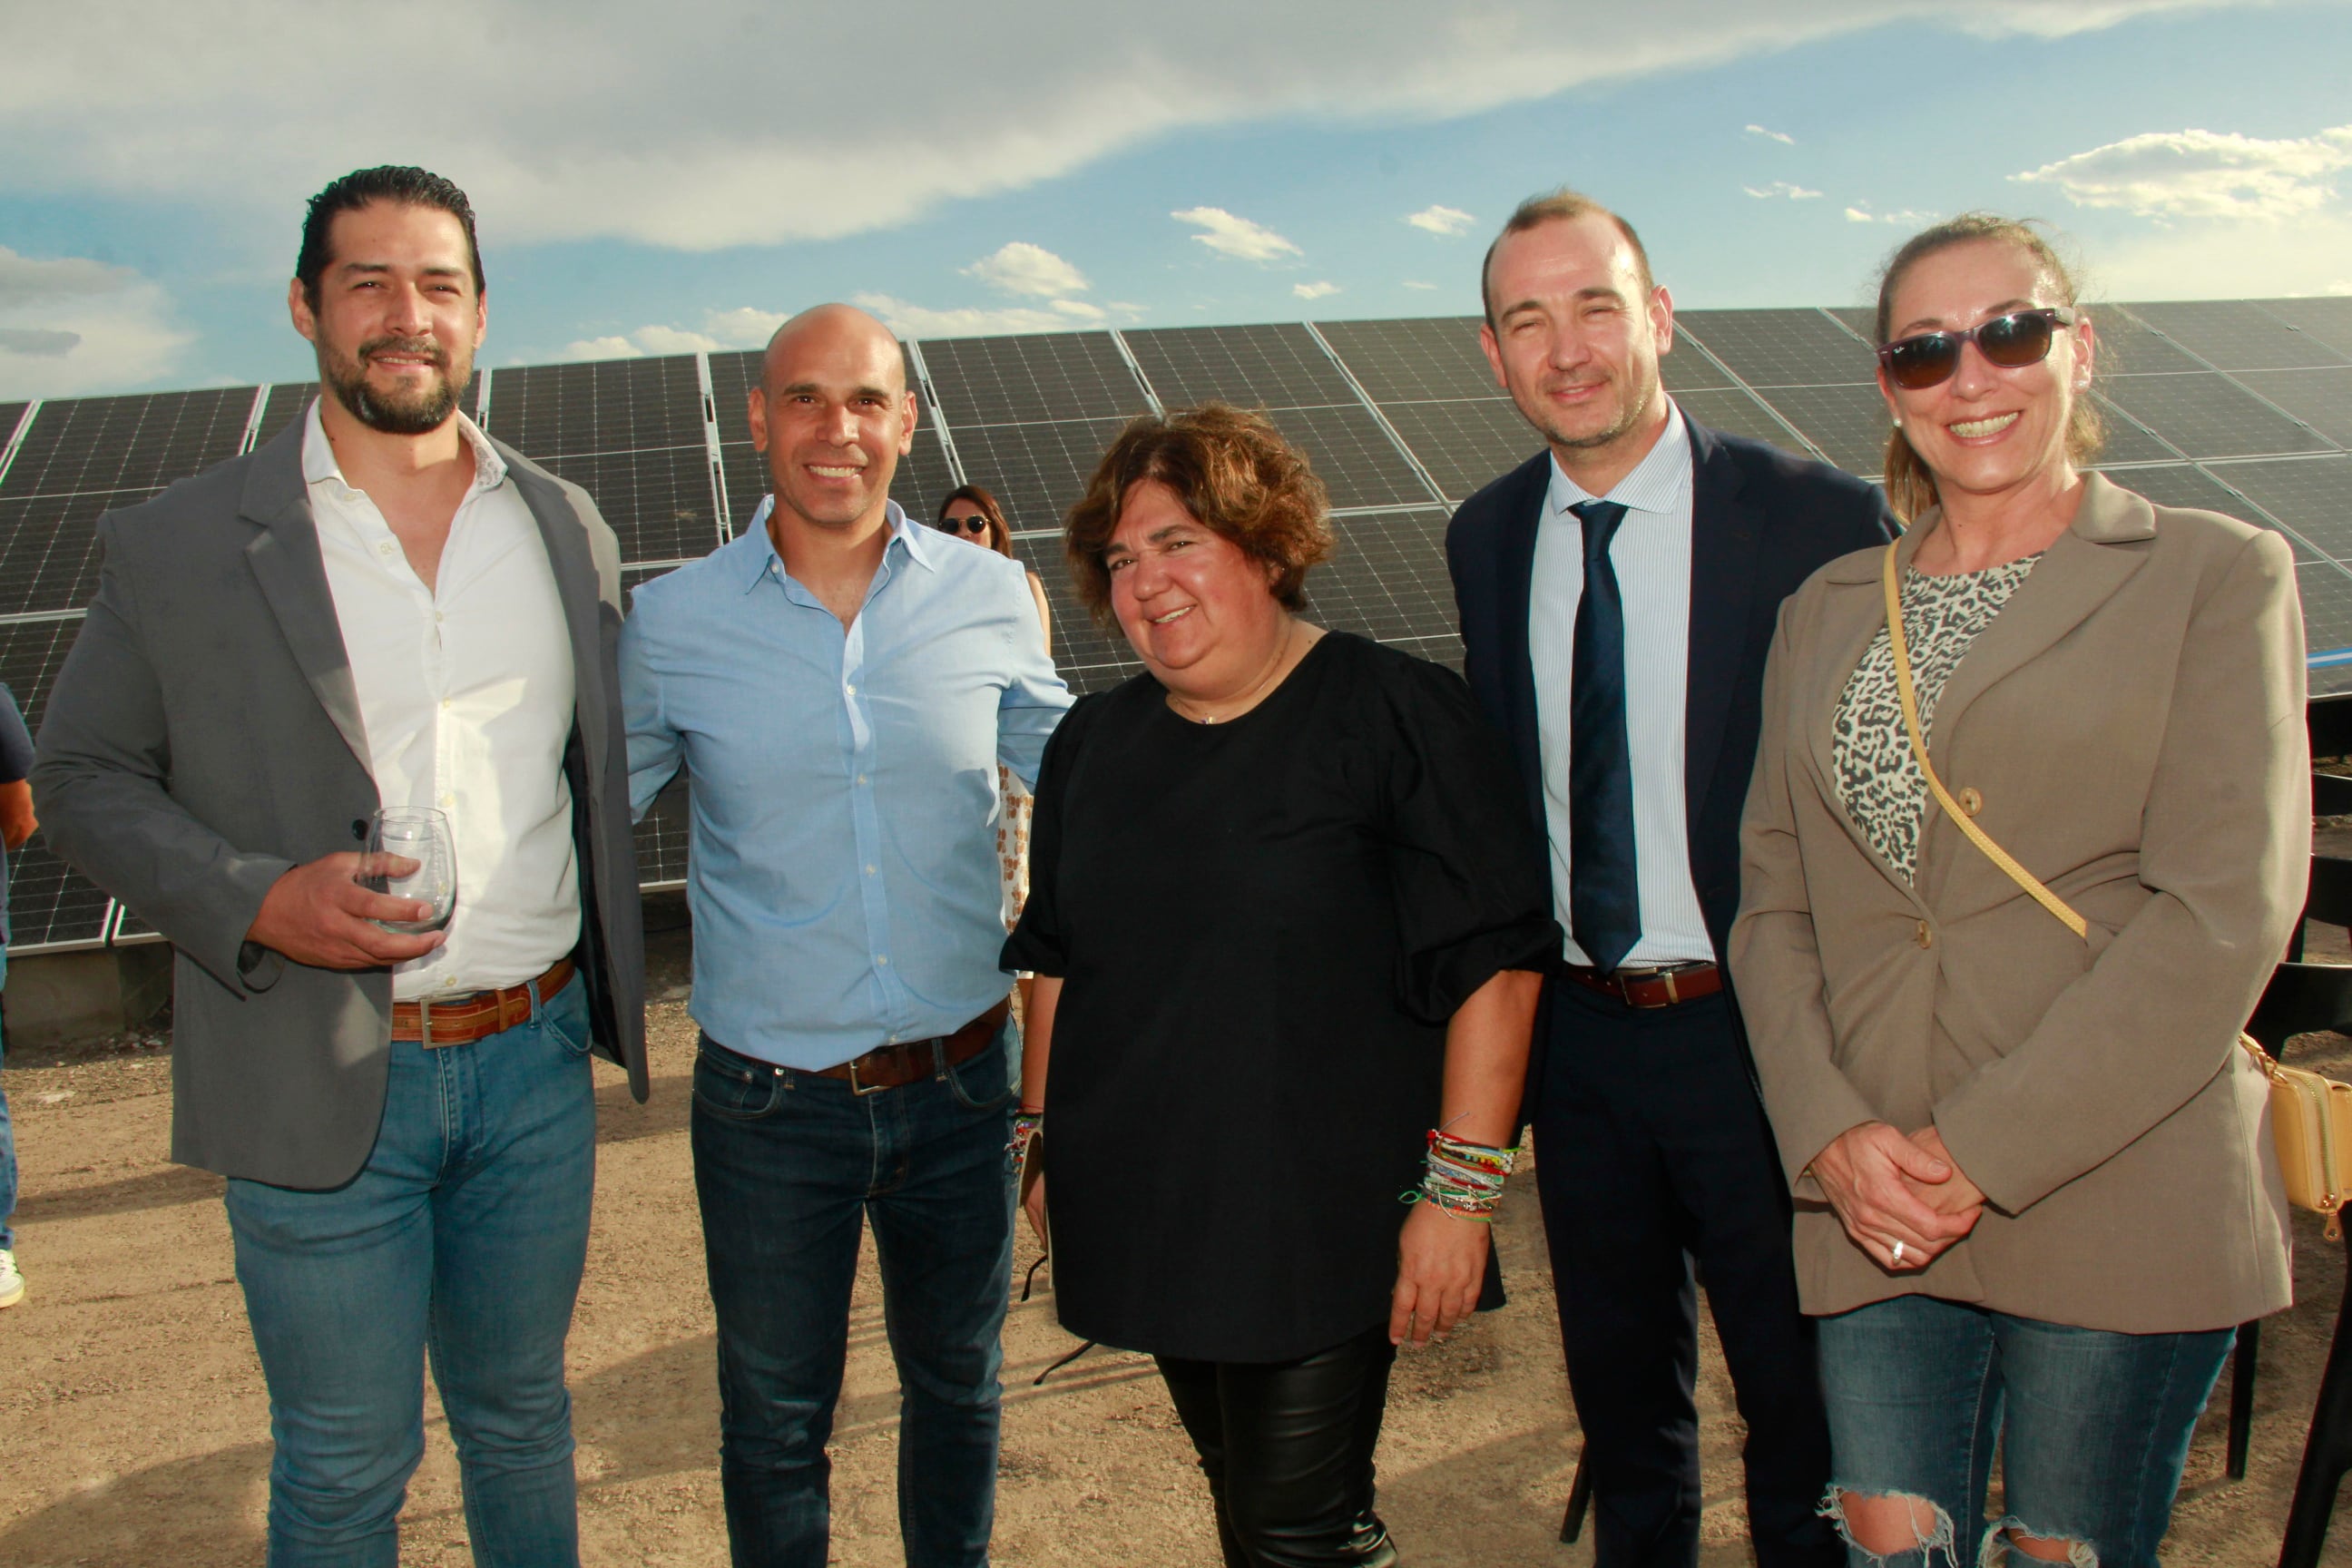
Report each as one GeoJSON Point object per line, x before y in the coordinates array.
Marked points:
{"type": "Point", "coordinates": [1684, 368]}
{"type": "Point", "coordinates": [1089, 658]}
{"type": "Point", "coordinates": [1387, 579]}
{"type": "Point", "coordinates": [288, 400]}
{"type": "Point", "coordinates": [603, 405]}
{"type": "Point", "coordinates": [1051, 375]}
{"type": "Point", "coordinates": [2125, 441]}
{"type": "Point", "coordinates": [1421, 361]}
{"type": "Point", "coordinates": [2320, 398]}
{"type": "Point", "coordinates": [1036, 471]}
{"type": "Point", "coordinates": [2181, 485]}
{"type": "Point", "coordinates": [2127, 347]}
{"type": "Point", "coordinates": [2236, 334]}
{"type": "Point", "coordinates": [1847, 423]}
{"type": "Point", "coordinates": [2207, 416]}
{"type": "Point", "coordinates": [2312, 496]}
{"type": "Point", "coordinates": [86, 446]}
{"type": "Point", "coordinates": [1741, 413]}
{"type": "Point", "coordinates": [2327, 317]}
{"type": "Point", "coordinates": [1278, 366]}
{"type": "Point", "coordinates": [2327, 617]}
{"type": "Point", "coordinates": [661, 836]}
{"type": "Point", "coordinates": [1780, 348]}
{"type": "Point", "coordinates": [49, 906]}
{"type": "Point", "coordinates": [657, 502]}
{"type": "Point", "coordinates": [1464, 444]}
{"type": "Point", "coordinates": [1360, 465]}
{"type": "Point", "coordinates": [49, 549]}
{"type": "Point", "coordinates": [1862, 321]}
{"type": "Point", "coordinates": [31, 653]}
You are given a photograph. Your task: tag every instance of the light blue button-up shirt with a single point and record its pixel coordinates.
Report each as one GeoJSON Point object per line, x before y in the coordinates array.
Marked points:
{"type": "Point", "coordinates": [843, 874]}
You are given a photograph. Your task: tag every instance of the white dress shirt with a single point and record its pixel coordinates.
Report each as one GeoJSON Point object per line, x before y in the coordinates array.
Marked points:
{"type": "Point", "coordinates": [465, 692]}
{"type": "Point", "coordinates": [1651, 553]}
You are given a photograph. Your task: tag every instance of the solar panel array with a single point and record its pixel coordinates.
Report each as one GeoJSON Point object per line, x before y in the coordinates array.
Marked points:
{"type": "Point", "coordinates": [2243, 406]}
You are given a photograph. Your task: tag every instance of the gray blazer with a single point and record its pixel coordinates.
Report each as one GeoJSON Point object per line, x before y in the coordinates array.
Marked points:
{"type": "Point", "coordinates": [2132, 727]}
{"type": "Point", "coordinates": [204, 736]}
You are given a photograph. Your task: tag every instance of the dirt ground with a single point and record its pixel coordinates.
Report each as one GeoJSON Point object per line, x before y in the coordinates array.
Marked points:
{"type": "Point", "coordinates": [134, 1429]}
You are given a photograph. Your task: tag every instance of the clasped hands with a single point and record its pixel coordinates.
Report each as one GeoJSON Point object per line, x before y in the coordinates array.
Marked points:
{"type": "Point", "coordinates": [1903, 1199]}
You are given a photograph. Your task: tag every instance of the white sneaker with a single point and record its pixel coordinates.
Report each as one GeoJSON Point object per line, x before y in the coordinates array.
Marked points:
{"type": "Point", "coordinates": [12, 1284]}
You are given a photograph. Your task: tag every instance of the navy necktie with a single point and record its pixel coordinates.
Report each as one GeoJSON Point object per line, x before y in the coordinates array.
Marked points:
{"type": "Point", "coordinates": [1604, 901]}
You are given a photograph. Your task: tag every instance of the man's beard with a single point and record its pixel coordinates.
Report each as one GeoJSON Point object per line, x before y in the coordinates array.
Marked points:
{"type": "Point", "coordinates": [404, 413]}
{"type": "Point", "coordinates": [1634, 396]}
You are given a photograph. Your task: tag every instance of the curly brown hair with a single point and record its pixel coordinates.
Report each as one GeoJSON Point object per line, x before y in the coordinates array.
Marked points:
{"type": "Point", "coordinates": [1232, 470]}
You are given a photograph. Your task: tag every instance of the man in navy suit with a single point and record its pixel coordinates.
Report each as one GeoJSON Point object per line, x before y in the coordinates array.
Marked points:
{"type": "Point", "coordinates": [1618, 593]}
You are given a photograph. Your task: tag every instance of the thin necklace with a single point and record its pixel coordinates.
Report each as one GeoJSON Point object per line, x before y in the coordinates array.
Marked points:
{"type": "Point", "coordinates": [1257, 690]}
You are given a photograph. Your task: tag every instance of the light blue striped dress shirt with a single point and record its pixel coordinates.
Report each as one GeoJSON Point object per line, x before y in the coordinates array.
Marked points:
{"type": "Point", "coordinates": [843, 874]}
{"type": "Point", "coordinates": [1651, 553]}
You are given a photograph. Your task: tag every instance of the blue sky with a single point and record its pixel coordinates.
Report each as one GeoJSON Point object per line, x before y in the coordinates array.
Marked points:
{"type": "Point", "coordinates": [657, 179]}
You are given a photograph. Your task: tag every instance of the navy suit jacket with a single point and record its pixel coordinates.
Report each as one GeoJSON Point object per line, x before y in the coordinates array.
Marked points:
{"type": "Point", "coordinates": [1761, 522]}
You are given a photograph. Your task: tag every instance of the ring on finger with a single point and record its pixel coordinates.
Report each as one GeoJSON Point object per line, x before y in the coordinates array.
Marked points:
{"type": "Point", "coordinates": [1897, 1252]}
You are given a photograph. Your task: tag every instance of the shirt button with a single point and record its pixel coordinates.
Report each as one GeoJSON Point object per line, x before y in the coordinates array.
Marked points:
{"type": "Point", "coordinates": [1971, 801]}
{"type": "Point", "coordinates": [452, 800]}
{"type": "Point", "coordinates": [1926, 937]}
{"type": "Point", "coordinates": [882, 960]}
{"type": "Point", "coordinates": [869, 870]}
{"type": "Point", "coordinates": [861, 778]}
{"type": "Point", "coordinates": [849, 690]}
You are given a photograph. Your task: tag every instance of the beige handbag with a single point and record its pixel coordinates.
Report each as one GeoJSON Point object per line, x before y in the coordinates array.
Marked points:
{"type": "Point", "coordinates": [2311, 1116]}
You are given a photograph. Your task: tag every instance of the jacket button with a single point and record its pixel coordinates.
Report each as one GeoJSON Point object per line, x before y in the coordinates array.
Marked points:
{"type": "Point", "coordinates": [359, 828]}
{"type": "Point", "coordinates": [1926, 937]}
{"type": "Point", "coordinates": [1971, 801]}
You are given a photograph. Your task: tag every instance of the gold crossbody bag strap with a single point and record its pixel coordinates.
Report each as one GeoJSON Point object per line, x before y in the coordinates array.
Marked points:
{"type": "Point", "coordinates": [1977, 836]}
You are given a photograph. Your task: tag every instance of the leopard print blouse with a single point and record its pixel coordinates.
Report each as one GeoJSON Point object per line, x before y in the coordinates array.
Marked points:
{"type": "Point", "coordinates": [1879, 779]}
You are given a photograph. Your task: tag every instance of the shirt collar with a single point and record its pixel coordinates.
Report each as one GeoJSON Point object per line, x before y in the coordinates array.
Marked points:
{"type": "Point", "coordinates": [759, 557]}
{"type": "Point", "coordinates": [1657, 483]}
{"type": "Point", "coordinates": [318, 453]}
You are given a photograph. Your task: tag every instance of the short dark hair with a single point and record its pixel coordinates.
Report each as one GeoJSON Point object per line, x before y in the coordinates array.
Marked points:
{"type": "Point", "coordinates": [1000, 532]}
{"type": "Point", "coordinates": [398, 183]}
{"type": "Point", "coordinates": [1232, 470]}
{"type": "Point", "coordinates": [1558, 206]}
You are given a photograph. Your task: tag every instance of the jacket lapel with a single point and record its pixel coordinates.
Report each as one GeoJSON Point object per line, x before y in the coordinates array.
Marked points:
{"type": "Point", "coordinates": [2074, 577]}
{"type": "Point", "coordinates": [1851, 620]}
{"type": "Point", "coordinates": [285, 562]}
{"type": "Point", "coordinates": [1725, 532]}
{"type": "Point", "coordinates": [580, 587]}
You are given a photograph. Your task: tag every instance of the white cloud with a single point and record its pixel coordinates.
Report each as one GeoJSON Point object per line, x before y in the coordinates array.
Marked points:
{"type": "Point", "coordinates": [2303, 254]}
{"type": "Point", "coordinates": [1081, 309]}
{"type": "Point", "coordinates": [744, 327]}
{"type": "Point", "coordinates": [1907, 217]}
{"type": "Point", "coordinates": [1782, 137]}
{"type": "Point", "coordinates": [1020, 267]}
{"type": "Point", "coordinates": [582, 118]}
{"type": "Point", "coordinates": [1417, 283]}
{"type": "Point", "coordinates": [1441, 220]}
{"type": "Point", "coordinates": [2204, 175]}
{"type": "Point", "coordinates": [1226, 235]}
{"type": "Point", "coordinates": [616, 347]}
{"type": "Point", "coordinates": [910, 320]}
{"type": "Point", "coordinates": [1318, 291]}
{"type": "Point", "coordinates": [1780, 188]}
{"type": "Point", "coordinates": [71, 325]}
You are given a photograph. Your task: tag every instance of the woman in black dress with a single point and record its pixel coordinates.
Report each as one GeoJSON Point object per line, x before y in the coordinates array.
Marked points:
{"type": "Point", "coordinates": [1286, 914]}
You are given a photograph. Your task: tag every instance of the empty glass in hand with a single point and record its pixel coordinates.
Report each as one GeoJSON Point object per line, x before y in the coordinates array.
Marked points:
{"type": "Point", "coordinates": [421, 834]}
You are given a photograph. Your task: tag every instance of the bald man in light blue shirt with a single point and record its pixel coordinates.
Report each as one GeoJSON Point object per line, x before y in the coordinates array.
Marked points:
{"type": "Point", "coordinates": [841, 684]}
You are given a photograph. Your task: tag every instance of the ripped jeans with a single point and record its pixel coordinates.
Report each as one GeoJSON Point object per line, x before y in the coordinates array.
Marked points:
{"type": "Point", "coordinates": [2094, 1427]}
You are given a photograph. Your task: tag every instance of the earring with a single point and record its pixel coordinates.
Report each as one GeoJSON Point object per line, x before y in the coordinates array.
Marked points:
{"type": "Point", "coordinates": [1899, 421]}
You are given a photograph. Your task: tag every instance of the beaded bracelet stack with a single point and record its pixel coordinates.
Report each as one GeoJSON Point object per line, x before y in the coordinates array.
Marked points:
{"type": "Point", "coordinates": [1464, 1179]}
{"type": "Point", "coordinates": [1025, 1126]}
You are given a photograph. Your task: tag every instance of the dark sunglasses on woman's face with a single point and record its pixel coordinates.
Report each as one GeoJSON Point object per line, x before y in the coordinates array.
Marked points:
{"type": "Point", "coordinates": [974, 524]}
{"type": "Point", "coordinates": [2021, 337]}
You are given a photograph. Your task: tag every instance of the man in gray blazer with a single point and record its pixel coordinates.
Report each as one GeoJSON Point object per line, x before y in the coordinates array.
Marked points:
{"type": "Point", "coordinates": [380, 608]}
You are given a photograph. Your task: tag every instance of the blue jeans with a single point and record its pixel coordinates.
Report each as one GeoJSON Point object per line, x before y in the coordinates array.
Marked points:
{"type": "Point", "coordinates": [788, 1165]}
{"type": "Point", "coordinates": [465, 1233]}
{"type": "Point", "coordinates": [2094, 1426]}
{"type": "Point", "coordinates": [7, 1136]}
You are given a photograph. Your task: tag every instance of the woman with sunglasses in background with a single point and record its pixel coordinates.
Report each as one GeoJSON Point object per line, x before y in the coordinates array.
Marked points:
{"type": "Point", "coordinates": [2033, 1182]}
{"type": "Point", "coordinates": [972, 514]}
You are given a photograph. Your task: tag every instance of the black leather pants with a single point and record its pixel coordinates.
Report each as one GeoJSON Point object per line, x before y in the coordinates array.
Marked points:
{"type": "Point", "coordinates": [1288, 1449]}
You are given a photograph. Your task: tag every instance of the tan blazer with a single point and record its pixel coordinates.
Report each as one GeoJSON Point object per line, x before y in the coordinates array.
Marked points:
{"type": "Point", "coordinates": [2134, 722]}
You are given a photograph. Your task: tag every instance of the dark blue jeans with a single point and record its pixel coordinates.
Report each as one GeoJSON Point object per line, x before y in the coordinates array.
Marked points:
{"type": "Point", "coordinates": [788, 1166]}
{"type": "Point", "coordinates": [467, 1232]}
{"type": "Point", "coordinates": [2093, 1426]}
{"type": "Point", "coordinates": [7, 1138]}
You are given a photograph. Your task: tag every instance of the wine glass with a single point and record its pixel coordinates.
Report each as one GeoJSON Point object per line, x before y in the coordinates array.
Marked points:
{"type": "Point", "coordinates": [421, 834]}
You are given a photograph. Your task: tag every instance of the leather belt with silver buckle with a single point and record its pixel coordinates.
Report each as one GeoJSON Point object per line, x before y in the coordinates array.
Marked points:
{"type": "Point", "coordinates": [1664, 985]}
{"type": "Point", "coordinates": [472, 1016]}
{"type": "Point", "coordinates": [908, 1061]}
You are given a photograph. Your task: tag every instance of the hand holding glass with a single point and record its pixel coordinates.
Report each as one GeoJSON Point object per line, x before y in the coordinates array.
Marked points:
{"type": "Point", "coordinates": [419, 834]}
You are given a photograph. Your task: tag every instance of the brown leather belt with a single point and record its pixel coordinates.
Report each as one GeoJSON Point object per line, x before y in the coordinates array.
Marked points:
{"type": "Point", "coordinates": [467, 1017]}
{"type": "Point", "coordinates": [1660, 987]}
{"type": "Point", "coordinates": [908, 1061]}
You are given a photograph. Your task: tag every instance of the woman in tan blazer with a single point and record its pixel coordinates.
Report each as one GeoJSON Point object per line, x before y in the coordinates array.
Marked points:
{"type": "Point", "coordinates": [2034, 1186]}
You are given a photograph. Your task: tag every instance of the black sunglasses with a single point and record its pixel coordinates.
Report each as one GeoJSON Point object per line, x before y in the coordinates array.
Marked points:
{"type": "Point", "coordinates": [2020, 338]}
{"type": "Point", "coordinates": [974, 524]}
